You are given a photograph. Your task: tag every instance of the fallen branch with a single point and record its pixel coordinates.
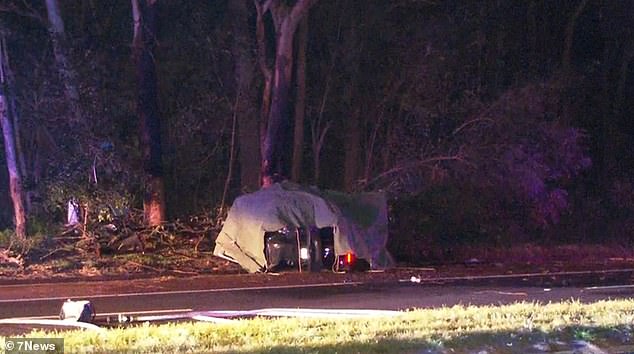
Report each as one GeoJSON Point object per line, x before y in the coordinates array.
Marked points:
{"type": "Point", "coordinates": [176, 253]}
{"type": "Point", "coordinates": [183, 272]}
{"type": "Point", "coordinates": [473, 121]}
{"type": "Point", "coordinates": [146, 266]}
{"type": "Point", "coordinates": [67, 238]}
{"type": "Point", "coordinates": [6, 258]}
{"type": "Point", "coordinates": [53, 252]}
{"type": "Point", "coordinates": [200, 239]}
{"type": "Point", "coordinates": [69, 229]}
{"type": "Point", "coordinates": [413, 165]}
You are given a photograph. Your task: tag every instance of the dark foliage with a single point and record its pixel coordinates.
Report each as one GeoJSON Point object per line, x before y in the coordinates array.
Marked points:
{"type": "Point", "coordinates": [464, 113]}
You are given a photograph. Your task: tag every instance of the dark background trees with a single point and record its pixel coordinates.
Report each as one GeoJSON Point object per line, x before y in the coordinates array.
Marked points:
{"type": "Point", "coordinates": [484, 121]}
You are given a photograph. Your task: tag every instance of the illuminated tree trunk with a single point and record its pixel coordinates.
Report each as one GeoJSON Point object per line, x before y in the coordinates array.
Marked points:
{"type": "Point", "coordinates": [15, 180]}
{"type": "Point", "coordinates": [64, 68]}
{"type": "Point", "coordinates": [13, 113]}
{"type": "Point", "coordinates": [276, 141]}
{"type": "Point", "coordinates": [279, 114]}
{"type": "Point", "coordinates": [145, 18]}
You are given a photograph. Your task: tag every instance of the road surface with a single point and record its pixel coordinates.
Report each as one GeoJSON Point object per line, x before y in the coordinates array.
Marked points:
{"type": "Point", "coordinates": [156, 296]}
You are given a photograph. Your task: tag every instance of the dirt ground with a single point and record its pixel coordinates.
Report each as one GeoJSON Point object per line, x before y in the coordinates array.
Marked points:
{"type": "Point", "coordinates": [187, 263]}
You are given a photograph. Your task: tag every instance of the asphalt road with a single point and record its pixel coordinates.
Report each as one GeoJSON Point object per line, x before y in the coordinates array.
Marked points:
{"type": "Point", "coordinates": [39, 300]}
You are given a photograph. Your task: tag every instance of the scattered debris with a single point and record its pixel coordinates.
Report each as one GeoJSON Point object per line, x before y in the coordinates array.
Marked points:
{"type": "Point", "coordinates": [541, 347]}
{"type": "Point", "coordinates": [8, 258]}
{"type": "Point", "coordinates": [583, 347]}
{"type": "Point", "coordinates": [226, 315]}
{"type": "Point", "coordinates": [502, 292]}
{"type": "Point", "coordinates": [472, 262]}
{"type": "Point", "coordinates": [82, 314]}
{"type": "Point", "coordinates": [131, 243]}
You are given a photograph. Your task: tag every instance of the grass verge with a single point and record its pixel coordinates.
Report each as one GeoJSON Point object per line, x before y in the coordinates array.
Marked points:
{"type": "Point", "coordinates": [517, 328]}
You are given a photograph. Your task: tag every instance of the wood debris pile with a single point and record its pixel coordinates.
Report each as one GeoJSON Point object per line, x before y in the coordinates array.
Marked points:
{"type": "Point", "coordinates": [8, 258]}
{"type": "Point", "coordinates": [131, 235]}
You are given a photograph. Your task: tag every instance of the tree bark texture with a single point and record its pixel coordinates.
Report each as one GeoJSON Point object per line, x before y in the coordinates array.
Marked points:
{"type": "Point", "coordinates": [300, 101]}
{"type": "Point", "coordinates": [352, 146]}
{"type": "Point", "coordinates": [353, 125]}
{"type": "Point", "coordinates": [145, 20]}
{"type": "Point", "coordinates": [566, 64]}
{"type": "Point", "coordinates": [6, 204]}
{"type": "Point", "coordinates": [246, 98]}
{"type": "Point", "coordinates": [279, 115]}
{"type": "Point", "coordinates": [277, 139]}
{"type": "Point", "coordinates": [15, 182]}
{"type": "Point", "coordinates": [569, 38]}
{"type": "Point", "coordinates": [12, 106]}
{"type": "Point", "coordinates": [260, 32]}
{"type": "Point", "coordinates": [611, 139]}
{"type": "Point", "coordinates": [65, 69]}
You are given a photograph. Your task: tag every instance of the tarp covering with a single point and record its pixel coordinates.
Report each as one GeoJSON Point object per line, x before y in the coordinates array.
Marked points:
{"type": "Point", "coordinates": [359, 223]}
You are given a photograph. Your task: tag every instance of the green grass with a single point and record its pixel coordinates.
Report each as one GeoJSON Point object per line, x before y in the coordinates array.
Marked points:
{"type": "Point", "coordinates": [498, 329]}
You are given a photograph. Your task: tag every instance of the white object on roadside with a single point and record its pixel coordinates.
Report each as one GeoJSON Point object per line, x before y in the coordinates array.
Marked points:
{"type": "Point", "coordinates": [415, 279]}
{"type": "Point", "coordinates": [72, 217]}
{"type": "Point", "coordinates": [303, 253]}
{"type": "Point", "coordinates": [79, 311]}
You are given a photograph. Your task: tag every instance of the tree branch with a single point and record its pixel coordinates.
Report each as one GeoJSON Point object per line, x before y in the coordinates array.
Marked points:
{"type": "Point", "coordinates": [27, 11]}
{"type": "Point", "coordinates": [470, 122]}
{"type": "Point", "coordinates": [261, 38]}
{"type": "Point", "coordinates": [412, 165]}
{"type": "Point", "coordinates": [263, 5]}
{"type": "Point", "coordinates": [300, 9]}
{"type": "Point", "coordinates": [570, 32]}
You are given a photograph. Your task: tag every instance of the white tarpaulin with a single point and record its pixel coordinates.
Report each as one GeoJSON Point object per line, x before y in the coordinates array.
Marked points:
{"type": "Point", "coordinates": [359, 223]}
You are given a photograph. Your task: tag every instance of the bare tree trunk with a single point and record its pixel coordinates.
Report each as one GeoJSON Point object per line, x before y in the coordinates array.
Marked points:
{"type": "Point", "coordinates": [628, 56]}
{"type": "Point", "coordinates": [615, 141]}
{"type": "Point", "coordinates": [65, 69]}
{"type": "Point", "coordinates": [277, 132]}
{"type": "Point", "coordinates": [15, 181]}
{"type": "Point", "coordinates": [371, 143]}
{"type": "Point", "coordinates": [566, 63]}
{"type": "Point", "coordinates": [14, 114]}
{"type": "Point", "coordinates": [300, 101]}
{"type": "Point", "coordinates": [570, 32]}
{"type": "Point", "coordinates": [260, 32]}
{"type": "Point", "coordinates": [610, 133]}
{"type": "Point", "coordinates": [246, 96]}
{"type": "Point", "coordinates": [352, 147]}
{"type": "Point", "coordinates": [232, 153]}
{"type": "Point", "coordinates": [279, 114]}
{"type": "Point", "coordinates": [319, 129]}
{"type": "Point", "coordinates": [145, 15]}
{"type": "Point", "coordinates": [318, 135]}
{"type": "Point", "coordinates": [353, 156]}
